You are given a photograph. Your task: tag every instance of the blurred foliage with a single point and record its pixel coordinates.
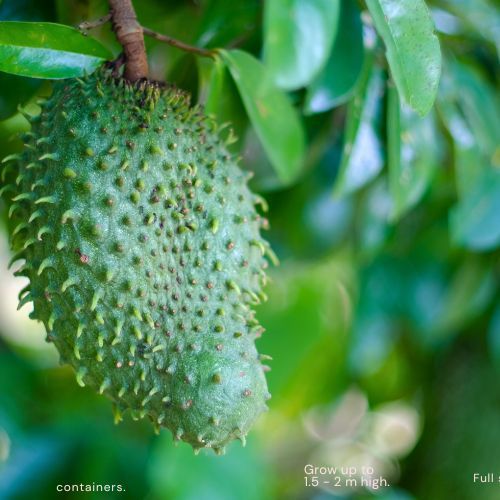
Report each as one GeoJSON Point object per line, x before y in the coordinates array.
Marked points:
{"type": "Point", "coordinates": [383, 318]}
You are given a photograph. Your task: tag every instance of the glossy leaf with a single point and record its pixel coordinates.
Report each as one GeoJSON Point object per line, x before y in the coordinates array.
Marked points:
{"type": "Point", "coordinates": [475, 220]}
{"type": "Point", "coordinates": [171, 471]}
{"type": "Point", "coordinates": [298, 36]}
{"type": "Point", "coordinates": [256, 160]}
{"type": "Point", "coordinates": [374, 332]}
{"type": "Point", "coordinates": [217, 87]}
{"type": "Point", "coordinates": [335, 85]}
{"type": "Point", "coordinates": [373, 339]}
{"type": "Point", "coordinates": [414, 154]}
{"type": "Point", "coordinates": [48, 50]}
{"type": "Point", "coordinates": [25, 10]}
{"type": "Point", "coordinates": [302, 299]}
{"type": "Point", "coordinates": [374, 214]}
{"type": "Point", "coordinates": [412, 49]}
{"type": "Point", "coordinates": [426, 295]}
{"type": "Point", "coordinates": [272, 115]}
{"type": "Point", "coordinates": [15, 90]}
{"type": "Point", "coordinates": [219, 97]}
{"type": "Point", "coordinates": [468, 109]}
{"type": "Point", "coordinates": [468, 157]}
{"type": "Point", "coordinates": [470, 292]}
{"type": "Point", "coordinates": [480, 15]}
{"type": "Point", "coordinates": [363, 154]}
{"type": "Point", "coordinates": [224, 22]}
{"type": "Point", "coordinates": [479, 104]}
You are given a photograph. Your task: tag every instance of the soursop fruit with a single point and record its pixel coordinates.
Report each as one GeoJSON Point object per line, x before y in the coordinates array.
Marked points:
{"type": "Point", "coordinates": [142, 245]}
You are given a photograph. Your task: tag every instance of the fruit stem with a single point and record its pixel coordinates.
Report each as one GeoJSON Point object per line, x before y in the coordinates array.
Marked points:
{"type": "Point", "coordinates": [129, 34]}
{"type": "Point", "coordinates": [178, 44]}
{"type": "Point", "coordinates": [90, 25]}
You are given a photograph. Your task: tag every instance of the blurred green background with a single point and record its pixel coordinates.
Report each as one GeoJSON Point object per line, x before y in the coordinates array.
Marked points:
{"type": "Point", "coordinates": [383, 320]}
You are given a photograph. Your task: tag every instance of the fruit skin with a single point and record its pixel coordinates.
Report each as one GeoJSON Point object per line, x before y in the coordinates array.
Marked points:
{"type": "Point", "coordinates": [142, 246]}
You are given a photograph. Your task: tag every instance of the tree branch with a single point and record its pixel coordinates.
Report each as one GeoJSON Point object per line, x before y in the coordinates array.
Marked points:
{"type": "Point", "coordinates": [90, 25]}
{"type": "Point", "coordinates": [177, 43]}
{"type": "Point", "coordinates": [130, 36]}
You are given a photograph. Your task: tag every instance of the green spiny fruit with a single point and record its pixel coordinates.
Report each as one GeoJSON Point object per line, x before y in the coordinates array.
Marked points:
{"type": "Point", "coordinates": [141, 243]}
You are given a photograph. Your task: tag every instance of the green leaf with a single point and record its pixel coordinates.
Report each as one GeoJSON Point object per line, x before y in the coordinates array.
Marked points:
{"type": "Point", "coordinates": [256, 160]}
{"type": "Point", "coordinates": [473, 127]}
{"type": "Point", "coordinates": [48, 50]}
{"type": "Point", "coordinates": [474, 221]}
{"type": "Point", "coordinates": [223, 22]}
{"type": "Point", "coordinates": [469, 159]}
{"type": "Point", "coordinates": [414, 154]}
{"type": "Point", "coordinates": [217, 87]}
{"type": "Point", "coordinates": [275, 120]}
{"type": "Point", "coordinates": [469, 293]}
{"type": "Point", "coordinates": [21, 10]}
{"type": "Point", "coordinates": [219, 96]}
{"type": "Point", "coordinates": [412, 49]}
{"type": "Point", "coordinates": [335, 85]}
{"type": "Point", "coordinates": [480, 15]}
{"type": "Point", "coordinates": [374, 213]}
{"type": "Point", "coordinates": [14, 91]}
{"type": "Point", "coordinates": [314, 297]}
{"type": "Point", "coordinates": [298, 36]}
{"type": "Point", "coordinates": [171, 469]}
{"type": "Point", "coordinates": [374, 332]}
{"type": "Point", "coordinates": [479, 104]}
{"type": "Point", "coordinates": [363, 154]}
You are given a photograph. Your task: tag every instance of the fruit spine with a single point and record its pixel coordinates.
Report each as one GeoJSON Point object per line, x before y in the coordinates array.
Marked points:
{"type": "Point", "coordinates": [141, 243]}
